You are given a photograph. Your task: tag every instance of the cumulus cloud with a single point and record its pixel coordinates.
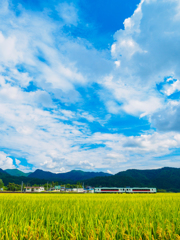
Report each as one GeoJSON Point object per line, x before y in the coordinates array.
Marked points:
{"type": "Point", "coordinates": [38, 124]}
{"type": "Point", "coordinates": [145, 52]}
{"type": "Point", "coordinates": [169, 89]}
{"type": "Point", "coordinates": [86, 164]}
{"type": "Point", "coordinates": [5, 161]}
{"type": "Point", "coordinates": [62, 170]}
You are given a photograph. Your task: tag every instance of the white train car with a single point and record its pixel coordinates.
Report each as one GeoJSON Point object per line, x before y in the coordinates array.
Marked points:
{"type": "Point", "coordinates": [109, 190]}
{"type": "Point", "coordinates": [124, 190]}
{"type": "Point", "coordinates": [141, 190]}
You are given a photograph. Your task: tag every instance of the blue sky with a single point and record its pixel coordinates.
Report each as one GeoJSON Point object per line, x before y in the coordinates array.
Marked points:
{"type": "Point", "coordinates": [91, 85]}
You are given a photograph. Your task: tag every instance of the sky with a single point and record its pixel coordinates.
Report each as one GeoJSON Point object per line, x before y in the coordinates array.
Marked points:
{"type": "Point", "coordinates": [89, 85]}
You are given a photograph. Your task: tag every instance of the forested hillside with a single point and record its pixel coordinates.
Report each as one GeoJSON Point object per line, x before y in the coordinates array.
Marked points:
{"type": "Point", "coordinates": [74, 175]}
{"type": "Point", "coordinates": [164, 178]}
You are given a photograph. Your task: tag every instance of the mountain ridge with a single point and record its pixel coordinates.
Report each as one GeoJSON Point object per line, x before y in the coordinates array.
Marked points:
{"type": "Point", "coordinates": [16, 172]}
{"type": "Point", "coordinates": [74, 175]}
{"type": "Point", "coordinates": [164, 178]}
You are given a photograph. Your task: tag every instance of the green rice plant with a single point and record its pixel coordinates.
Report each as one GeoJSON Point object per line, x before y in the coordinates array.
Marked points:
{"type": "Point", "coordinates": [90, 216]}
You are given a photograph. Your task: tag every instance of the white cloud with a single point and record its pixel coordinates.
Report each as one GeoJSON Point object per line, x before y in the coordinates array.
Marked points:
{"type": "Point", "coordinates": [69, 13]}
{"type": "Point", "coordinates": [86, 164]}
{"type": "Point", "coordinates": [17, 162]}
{"type": "Point", "coordinates": [148, 51]}
{"type": "Point", "coordinates": [8, 52]}
{"type": "Point", "coordinates": [50, 60]}
{"type": "Point", "coordinates": [130, 98]}
{"type": "Point", "coordinates": [62, 170]}
{"type": "Point", "coordinates": [5, 161]}
{"type": "Point", "coordinates": [142, 55]}
{"type": "Point", "coordinates": [170, 89]}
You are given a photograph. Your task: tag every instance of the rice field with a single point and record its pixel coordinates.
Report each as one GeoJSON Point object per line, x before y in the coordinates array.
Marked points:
{"type": "Point", "coordinates": [90, 216]}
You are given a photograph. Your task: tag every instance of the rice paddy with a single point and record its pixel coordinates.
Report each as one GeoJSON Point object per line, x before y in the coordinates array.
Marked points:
{"type": "Point", "coordinates": [90, 216]}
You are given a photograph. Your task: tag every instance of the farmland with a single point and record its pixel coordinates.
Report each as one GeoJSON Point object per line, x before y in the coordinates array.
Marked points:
{"type": "Point", "coordinates": [90, 216]}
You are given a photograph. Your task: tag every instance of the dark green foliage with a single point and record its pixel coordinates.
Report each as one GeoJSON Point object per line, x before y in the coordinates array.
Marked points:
{"type": "Point", "coordinates": [3, 173]}
{"type": "Point", "coordinates": [27, 181]}
{"type": "Point", "coordinates": [161, 190]}
{"type": "Point", "coordinates": [41, 177]}
{"type": "Point", "coordinates": [1, 183]}
{"type": "Point", "coordinates": [13, 187]}
{"type": "Point", "coordinates": [47, 186]}
{"type": "Point", "coordinates": [78, 185]}
{"type": "Point", "coordinates": [164, 178]}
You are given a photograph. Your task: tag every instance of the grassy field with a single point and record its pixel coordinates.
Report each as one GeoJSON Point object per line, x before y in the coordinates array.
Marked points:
{"type": "Point", "coordinates": [89, 216]}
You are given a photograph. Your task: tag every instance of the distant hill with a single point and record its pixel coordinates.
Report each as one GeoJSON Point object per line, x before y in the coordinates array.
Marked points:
{"type": "Point", "coordinates": [74, 175]}
{"type": "Point", "coordinates": [164, 178]}
{"type": "Point", "coordinates": [7, 178]}
{"type": "Point", "coordinates": [3, 173]}
{"type": "Point", "coordinates": [17, 173]}
{"type": "Point", "coordinates": [41, 177]}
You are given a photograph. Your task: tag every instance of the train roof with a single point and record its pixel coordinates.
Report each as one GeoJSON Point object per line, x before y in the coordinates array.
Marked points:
{"type": "Point", "coordinates": [125, 187]}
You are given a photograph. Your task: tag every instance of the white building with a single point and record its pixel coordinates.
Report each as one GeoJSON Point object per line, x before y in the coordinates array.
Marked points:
{"type": "Point", "coordinates": [34, 189]}
{"type": "Point", "coordinates": [79, 190]}
{"type": "Point", "coordinates": [90, 190]}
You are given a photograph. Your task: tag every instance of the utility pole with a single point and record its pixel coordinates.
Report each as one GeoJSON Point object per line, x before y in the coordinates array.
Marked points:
{"type": "Point", "coordinates": [22, 186]}
{"type": "Point", "coordinates": [47, 186]}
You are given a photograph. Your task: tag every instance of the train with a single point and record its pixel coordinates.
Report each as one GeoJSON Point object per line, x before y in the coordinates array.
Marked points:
{"type": "Point", "coordinates": [124, 190]}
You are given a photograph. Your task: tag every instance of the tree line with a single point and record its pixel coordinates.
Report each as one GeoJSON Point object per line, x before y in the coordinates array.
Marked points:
{"type": "Point", "coordinates": [47, 186]}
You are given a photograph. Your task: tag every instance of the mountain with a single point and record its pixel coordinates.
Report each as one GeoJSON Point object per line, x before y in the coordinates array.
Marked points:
{"type": "Point", "coordinates": [17, 173]}
{"type": "Point", "coordinates": [3, 173]}
{"type": "Point", "coordinates": [165, 178]}
{"type": "Point", "coordinates": [7, 178]}
{"type": "Point", "coordinates": [74, 175]}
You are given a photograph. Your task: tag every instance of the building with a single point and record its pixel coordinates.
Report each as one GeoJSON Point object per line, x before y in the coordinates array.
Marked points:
{"type": "Point", "coordinates": [34, 189]}
{"type": "Point", "coordinates": [63, 189]}
{"type": "Point", "coordinates": [68, 190]}
{"type": "Point", "coordinates": [56, 189]}
{"type": "Point", "coordinates": [90, 190]}
{"type": "Point", "coordinates": [79, 190]}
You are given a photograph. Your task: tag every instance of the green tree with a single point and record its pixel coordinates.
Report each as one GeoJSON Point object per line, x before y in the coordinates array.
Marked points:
{"type": "Point", "coordinates": [47, 186]}
{"type": "Point", "coordinates": [79, 185]}
{"type": "Point", "coordinates": [161, 190]}
{"type": "Point", "coordinates": [13, 187]}
{"type": "Point", "coordinates": [1, 183]}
